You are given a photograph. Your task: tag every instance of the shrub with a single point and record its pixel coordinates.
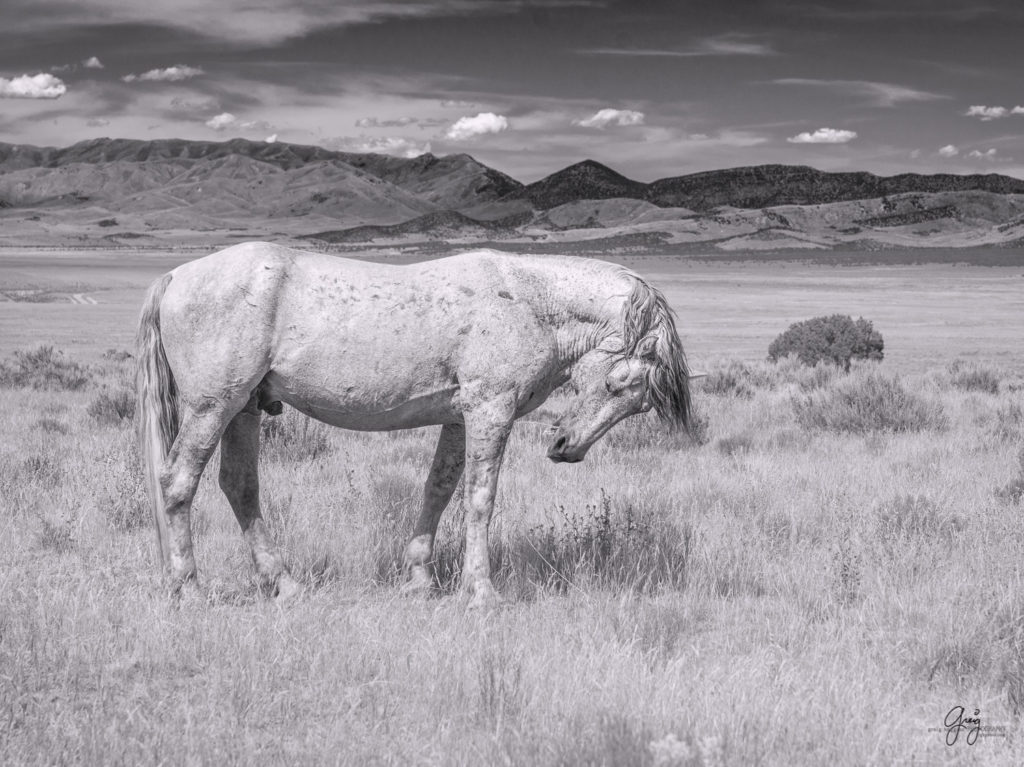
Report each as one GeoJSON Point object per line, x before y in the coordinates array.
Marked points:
{"type": "Point", "coordinates": [906, 516]}
{"type": "Point", "coordinates": [790, 370]}
{"type": "Point", "coordinates": [122, 499]}
{"type": "Point", "coordinates": [52, 426]}
{"type": "Point", "coordinates": [973, 378]}
{"type": "Point", "coordinates": [735, 444]}
{"type": "Point", "coordinates": [1013, 492]}
{"type": "Point", "coordinates": [113, 407]}
{"type": "Point", "coordinates": [1007, 422]}
{"type": "Point", "coordinates": [837, 339]}
{"type": "Point", "coordinates": [43, 368]}
{"type": "Point", "coordinates": [867, 402]}
{"type": "Point", "coordinates": [635, 548]}
{"type": "Point", "coordinates": [737, 379]}
{"type": "Point", "coordinates": [117, 355]}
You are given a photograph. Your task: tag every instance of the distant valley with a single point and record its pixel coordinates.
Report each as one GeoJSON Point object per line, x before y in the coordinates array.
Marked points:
{"type": "Point", "coordinates": [126, 193]}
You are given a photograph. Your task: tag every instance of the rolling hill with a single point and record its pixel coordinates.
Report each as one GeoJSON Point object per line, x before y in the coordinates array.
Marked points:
{"type": "Point", "coordinates": [111, 190]}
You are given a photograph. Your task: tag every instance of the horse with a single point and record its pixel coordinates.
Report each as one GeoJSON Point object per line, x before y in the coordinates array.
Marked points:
{"type": "Point", "coordinates": [469, 342]}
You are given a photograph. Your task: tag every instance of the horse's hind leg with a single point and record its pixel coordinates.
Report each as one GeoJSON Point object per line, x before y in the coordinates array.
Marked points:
{"type": "Point", "coordinates": [449, 458]}
{"type": "Point", "coordinates": [194, 444]}
{"type": "Point", "coordinates": [239, 479]}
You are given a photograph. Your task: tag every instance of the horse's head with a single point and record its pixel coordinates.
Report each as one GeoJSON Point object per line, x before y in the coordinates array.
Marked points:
{"type": "Point", "coordinates": [637, 368]}
{"type": "Point", "coordinates": [609, 387]}
{"type": "Point", "coordinates": [612, 385]}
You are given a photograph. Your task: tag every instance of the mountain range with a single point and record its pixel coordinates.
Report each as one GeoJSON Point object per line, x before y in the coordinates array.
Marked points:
{"type": "Point", "coordinates": [111, 191]}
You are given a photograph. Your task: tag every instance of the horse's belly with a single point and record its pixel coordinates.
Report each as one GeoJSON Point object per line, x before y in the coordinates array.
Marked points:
{"type": "Point", "coordinates": [353, 408]}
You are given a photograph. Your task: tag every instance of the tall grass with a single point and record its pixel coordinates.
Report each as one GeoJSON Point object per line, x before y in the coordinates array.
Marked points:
{"type": "Point", "coordinates": [782, 594]}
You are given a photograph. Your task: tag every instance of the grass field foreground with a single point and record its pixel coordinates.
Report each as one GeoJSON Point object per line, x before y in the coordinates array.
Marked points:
{"type": "Point", "coordinates": [788, 588]}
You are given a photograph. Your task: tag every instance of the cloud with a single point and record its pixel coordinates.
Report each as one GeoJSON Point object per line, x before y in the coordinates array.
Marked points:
{"type": "Point", "coordinates": [992, 113]}
{"type": "Point", "coordinates": [400, 122]}
{"type": "Point", "coordinates": [877, 94]}
{"type": "Point", "coordinates": [194, 106]}
{"type": "Point", "coordinates": [97, 122]}
{"type": "Point", "coordinates": [260, 21]}
{"type": "Point", "coordinates": [41, 86]}
{"type": "Point", "coordinates": [90, 63]}
{"type": "Point", "coordinates": [721, 45]}
{"type": "Point", "coordinates": [986, 113]}
{"type": "Point", "coordinates": [605, 117]}
{"type": "Point", "coordinates": [949, 151]}
{"type": "Point", "coordinates": [226, 120]}
{"type": "Point", "coordinates": [456, 104]}
{"type": "Point", "coordinates": [466, 128]}
{"type": "Point", "coordinates": [986, 155]}
{"type": "Point", "coordinates": [393, 145]}
{"type": "Point", "coordinates": [373, 122]}
{"type": "Point", "coordinates": [221, 121]}
{"type": "Point", "coordinates": [823, 136]}
{"type": "Point", "coordinates": [174, 74]}
{"type": "Point", "coordinates": [271, 139]}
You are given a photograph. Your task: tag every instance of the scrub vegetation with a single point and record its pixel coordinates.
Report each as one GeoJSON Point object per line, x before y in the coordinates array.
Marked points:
{"type": "Point", "coordinates": [819, 576]}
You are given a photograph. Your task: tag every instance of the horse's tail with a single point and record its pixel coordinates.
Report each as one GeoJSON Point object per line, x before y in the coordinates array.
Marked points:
{"type": "Point", "coordinates": [156, 411]}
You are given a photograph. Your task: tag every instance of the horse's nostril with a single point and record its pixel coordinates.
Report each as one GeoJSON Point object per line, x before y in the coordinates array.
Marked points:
{"type": "Point", "coordinates": [560, 443]}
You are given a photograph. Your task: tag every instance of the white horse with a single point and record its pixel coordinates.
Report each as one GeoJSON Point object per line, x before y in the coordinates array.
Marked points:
{"type": "Point", "coordinates": [470, 342]}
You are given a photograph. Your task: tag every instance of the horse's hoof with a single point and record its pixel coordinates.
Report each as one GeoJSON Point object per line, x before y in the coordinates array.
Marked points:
{"type": "Point", "coordinates": [188, 594]}
{"type": "Point", "coordinates": [420, 584]}
{"type": "Point", "coordinates": [485, 599]}
{"type": "Point", "coordinates": [286, 589]}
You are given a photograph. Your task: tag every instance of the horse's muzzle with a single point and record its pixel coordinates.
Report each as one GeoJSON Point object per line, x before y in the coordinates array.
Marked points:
{"type": "Point", "coordinates": [561, 451]}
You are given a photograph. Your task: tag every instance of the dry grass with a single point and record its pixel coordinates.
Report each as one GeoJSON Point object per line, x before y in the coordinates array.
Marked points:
{"type": "Point", "coordinates": [667, 602]}
{"type": "Point", "coordinates": [770, 593]}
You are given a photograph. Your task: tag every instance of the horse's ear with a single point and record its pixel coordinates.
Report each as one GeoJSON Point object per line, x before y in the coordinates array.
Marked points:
{"type": "Point", "coordinates": [647, 348]}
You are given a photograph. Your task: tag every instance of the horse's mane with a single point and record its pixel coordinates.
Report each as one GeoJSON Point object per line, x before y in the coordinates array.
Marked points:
{"type": "Point", "coordinates": [646, 314]}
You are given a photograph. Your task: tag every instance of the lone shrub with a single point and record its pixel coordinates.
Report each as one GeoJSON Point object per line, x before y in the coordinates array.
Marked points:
{"type": "Point", "coordinates": [43, 368]}
{"type": "Point", "coordinates": [837, 339]}
{"type": "Point", "coordinates": [866, 402]}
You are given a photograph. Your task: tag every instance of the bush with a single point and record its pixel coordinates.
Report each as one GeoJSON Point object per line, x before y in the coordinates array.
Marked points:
{"type": "Point", "coordinates": [122, 500]}
{"type": "Point", "coordinates": [973, 378]}
{"type": "Point", "coordinates": [113, 407]}
{"type": "Point", "coordinates": [118, 355]}
{"type": "Point", "coordinates": [633, 548]}
{"type": "Point", "coordinates": [738, 379]}
{"type": "Point", "coordinates": [1014, 491]}
{"type": "Point", "coordinates": [43, 368]}
{"type": "Point", "coordinates": [837, 339]}
{"type": "Point", "coordinates": [866, 402]}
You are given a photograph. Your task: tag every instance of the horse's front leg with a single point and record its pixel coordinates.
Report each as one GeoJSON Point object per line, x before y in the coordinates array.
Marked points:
{"type": "Point", "coordinates": [444, 476]}
{"type": "Point", "coordinates": [487, 430]}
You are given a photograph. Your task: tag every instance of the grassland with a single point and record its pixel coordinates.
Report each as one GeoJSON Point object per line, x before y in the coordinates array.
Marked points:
{"type": "Point", "coordinates": [789, 589]}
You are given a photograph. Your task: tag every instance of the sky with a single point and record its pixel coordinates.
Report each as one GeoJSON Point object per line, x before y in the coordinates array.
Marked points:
{"type": "Point", "coordinates": [651, 88]}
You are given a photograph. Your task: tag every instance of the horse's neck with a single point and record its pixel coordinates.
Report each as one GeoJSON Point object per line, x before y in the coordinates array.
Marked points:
{"type": "Point", "coordinates": [585, 306]}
